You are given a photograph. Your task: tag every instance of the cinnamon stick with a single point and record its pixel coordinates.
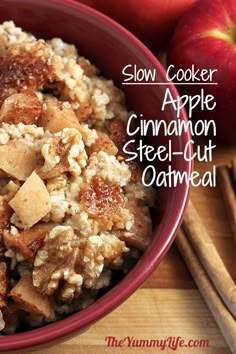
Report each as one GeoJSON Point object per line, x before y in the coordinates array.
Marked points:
{"type": "Point", "coordinates": [222, 316]}
{"type": "Point", "coordinates": [228, 194]}
{"type": "Point", "coordinates": [209, 257]}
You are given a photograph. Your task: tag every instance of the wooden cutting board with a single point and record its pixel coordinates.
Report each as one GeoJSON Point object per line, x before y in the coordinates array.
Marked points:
{"type": "Point", "coordinates": [168, 304]}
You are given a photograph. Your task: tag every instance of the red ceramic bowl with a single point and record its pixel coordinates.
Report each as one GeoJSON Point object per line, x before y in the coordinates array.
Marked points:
{"type": "Point", "coordinates": [110, 47]}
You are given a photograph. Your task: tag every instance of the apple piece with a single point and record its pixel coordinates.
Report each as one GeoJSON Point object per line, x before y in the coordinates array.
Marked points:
{"type": "Point", "coordinates": [84, 111]}
{"type": "Point", "coordinates": [28, 242]}
{"type": "Point", "coordinates": [27, 298]}
{"type": "Point", "coordinates": [57, 116]}
{"type": "Point", "coordinates": [152, 21]}
{"type": "Point", "coordinates": [102, 143]}
{"type": "Point", "coordinates": [32, 201]}
{"type": "Point", "coordinates": [5, 214]}
{"type": "Point", "coordinates": [140, 234]}
{"type": "Point", "coordinates": [23, 107]}
{"type": "Point", "coordinates": [17, 159]}
{"type": "Point", "coordinates": [206, 38]}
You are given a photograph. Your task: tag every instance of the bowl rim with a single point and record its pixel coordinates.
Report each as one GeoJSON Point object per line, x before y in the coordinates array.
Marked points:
{"type": "Point", "coordinates": [86, 317]}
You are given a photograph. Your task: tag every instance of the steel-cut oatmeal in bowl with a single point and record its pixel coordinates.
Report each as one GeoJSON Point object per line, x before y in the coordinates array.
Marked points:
{"type": "Point", "coordinates": [73, 212]}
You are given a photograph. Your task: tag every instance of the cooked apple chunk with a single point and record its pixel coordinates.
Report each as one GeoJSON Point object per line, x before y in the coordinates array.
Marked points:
{"type": "Point", "coordinates": [5, 214]}
{"type": "Point", "coordinates": [17, 159]}
{"type": "Point", "coordinates": [103, 143]}
{"type": "Point", "coordinates": [57, 115]}
{"type": "Point", "coordinates": [139, 235]}
{"type": "Point", "coordinates": [27, 242]}
{"type": "Point", "coordinates": [21, 107]}
{"type": "Point", "coordinates": [32, 201]}
{"type": "Point", "coordinates": [29, 299]}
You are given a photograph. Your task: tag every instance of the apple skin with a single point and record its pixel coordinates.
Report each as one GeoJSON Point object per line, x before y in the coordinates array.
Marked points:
{"type": "Point", "coordinates": [193, 44]}
{"type": "Point", "coordinates": [152, 21]}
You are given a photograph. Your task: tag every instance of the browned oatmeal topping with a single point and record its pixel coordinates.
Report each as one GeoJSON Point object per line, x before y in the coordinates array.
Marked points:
{"type": "Point", "coordinates": [73, 213]}
{"type": "Point", "coordinates": [29, 67]}
{"type": "Point", "coordinates": [101, 200]}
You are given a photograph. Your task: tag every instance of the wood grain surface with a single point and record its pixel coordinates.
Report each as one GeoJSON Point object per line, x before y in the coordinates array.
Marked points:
{"type": "Point", "coordinates": [168, 304]}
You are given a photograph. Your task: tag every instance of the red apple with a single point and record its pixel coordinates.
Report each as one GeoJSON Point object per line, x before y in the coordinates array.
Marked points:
{"type": "Point", "coordinates": [206, 38]}
{"type": "Point", "coordinates": [151, 20]}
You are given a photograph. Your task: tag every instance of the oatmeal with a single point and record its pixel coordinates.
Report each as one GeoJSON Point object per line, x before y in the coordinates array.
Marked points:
{"type": "Point", "coordinates": [72, 210]}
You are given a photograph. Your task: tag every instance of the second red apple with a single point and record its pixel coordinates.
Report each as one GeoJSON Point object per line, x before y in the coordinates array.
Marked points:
{"type": "Point", "coordinates": [206, 38]}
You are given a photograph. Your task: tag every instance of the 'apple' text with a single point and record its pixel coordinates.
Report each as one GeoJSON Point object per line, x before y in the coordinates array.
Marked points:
{"type": "Point", "coordinates": [206, 102]}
